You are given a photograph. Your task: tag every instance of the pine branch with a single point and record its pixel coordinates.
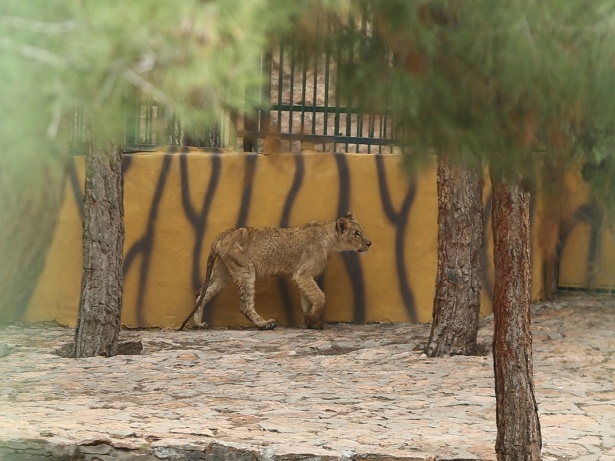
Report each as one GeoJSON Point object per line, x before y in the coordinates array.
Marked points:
{"type": "Point", "coordinates": [32, 25]}
{"type": "Point", "coordinates": [32, 52]}
{"type": "Point", "coordinates": [146, 86]}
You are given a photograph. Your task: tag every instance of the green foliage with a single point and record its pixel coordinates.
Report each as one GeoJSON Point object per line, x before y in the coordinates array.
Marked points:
{"type": "Point", "coordinates": [30, 87]}
{"type": "Point", "coordinates": [196, 58]}
{"type": "Point", "coordinates": [503, 83]}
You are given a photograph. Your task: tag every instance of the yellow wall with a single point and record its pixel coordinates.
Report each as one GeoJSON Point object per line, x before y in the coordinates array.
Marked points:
{"type": "Point", "coordinates": [586, 240]}
{"type": "Point", "coordinates": [176, 202]}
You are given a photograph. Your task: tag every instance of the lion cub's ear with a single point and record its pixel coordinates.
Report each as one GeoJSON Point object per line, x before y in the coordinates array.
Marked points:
{"type": "Point", "coordinates": [342, 225]}
{"type": "Point", "coordinates": [349, 215]}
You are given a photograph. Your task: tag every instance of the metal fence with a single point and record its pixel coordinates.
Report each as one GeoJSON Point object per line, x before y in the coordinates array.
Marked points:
{"type": "Point", "coordinates": [307, 108]}
{"type": "Point", "coordinates": [301, 107]}
{"type": "Point", "coordinates": [146, 127]}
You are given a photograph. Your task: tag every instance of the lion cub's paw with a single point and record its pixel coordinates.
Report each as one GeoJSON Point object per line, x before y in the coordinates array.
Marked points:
{"type": "Point", "coordinates": [200, 326]}
{"type": "Point", "coordinates": [313, 324]}
{"type": "Point", "coordinates": [268, 325]}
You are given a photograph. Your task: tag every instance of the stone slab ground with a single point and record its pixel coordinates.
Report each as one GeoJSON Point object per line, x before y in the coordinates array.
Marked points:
{"type": "Point", "coordinates": [363, 392]}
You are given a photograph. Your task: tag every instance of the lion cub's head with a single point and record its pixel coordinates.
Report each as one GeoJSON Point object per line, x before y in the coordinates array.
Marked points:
{"type": "Point", "coordinates": [350, 234]}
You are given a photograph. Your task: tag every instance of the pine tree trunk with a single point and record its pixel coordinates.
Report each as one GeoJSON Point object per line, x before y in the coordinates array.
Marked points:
{"type": "Point", "coordinates": [100, 308]}
{"type": "Point", "coordinates": [518, 426]}
{"type": "Point", "coordinates": [31, 195]}
{"type": "Point", "coordinates": [458, 281]}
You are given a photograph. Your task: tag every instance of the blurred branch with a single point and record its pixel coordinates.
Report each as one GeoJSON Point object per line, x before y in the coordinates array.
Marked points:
{"type": "Point", "coordinates": [146, 86]}
{"type": "Point", "coordinates": [32, 52]}
{"type": "Point", "coordinates": [54, 124]}
{"type": "Point", "coordinates": [602, 26]}
{"type": "Point", "coordinates": [40, 27]}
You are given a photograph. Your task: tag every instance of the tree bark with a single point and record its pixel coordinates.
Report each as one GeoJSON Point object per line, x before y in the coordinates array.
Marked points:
{"type": "Point", "coordinates": [31, 195]}
{"type": "Point", "coordinates": [458, 280]}
{"type": "Point", "coordinates": [518, 427]}
{"type": "Point", "coordinates": [100, 308]}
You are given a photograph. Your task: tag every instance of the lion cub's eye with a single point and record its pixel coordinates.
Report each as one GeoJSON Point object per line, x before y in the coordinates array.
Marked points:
{"type": "Point", "coordinates": [357, 234]}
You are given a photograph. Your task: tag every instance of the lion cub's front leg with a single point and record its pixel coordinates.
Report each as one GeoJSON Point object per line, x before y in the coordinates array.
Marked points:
{"type": "Point", "coordinates": [312, 301]}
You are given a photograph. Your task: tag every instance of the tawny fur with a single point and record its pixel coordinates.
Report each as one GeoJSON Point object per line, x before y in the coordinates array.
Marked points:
{"type": "Point", "coordinates": [249, 253]}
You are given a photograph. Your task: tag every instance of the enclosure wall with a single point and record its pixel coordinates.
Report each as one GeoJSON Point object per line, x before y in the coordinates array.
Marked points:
{"type": "Point", "coordinates": [177, 201]}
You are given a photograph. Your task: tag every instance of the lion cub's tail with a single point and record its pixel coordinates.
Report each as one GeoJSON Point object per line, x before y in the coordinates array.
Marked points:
{"type": "Point", "coordinates": [211, 259]}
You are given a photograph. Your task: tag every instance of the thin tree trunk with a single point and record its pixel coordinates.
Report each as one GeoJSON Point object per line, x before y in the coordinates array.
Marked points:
{"type": "Point", "coordinates": [100, 308]}
{"type": "Point", "coordinates": [31, 195]}
{"type": "Point", "coordinates": [458, 281]}
{"type": "Point", "coordinates": [518, 426]}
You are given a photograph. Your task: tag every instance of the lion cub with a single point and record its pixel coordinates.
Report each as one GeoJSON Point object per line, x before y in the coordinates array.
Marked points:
{"type": "Point", "coordinates": [248, 253]}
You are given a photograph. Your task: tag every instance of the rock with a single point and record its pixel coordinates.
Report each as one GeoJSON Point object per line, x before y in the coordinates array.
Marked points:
{"type": "Point", "coordinates": [130, 347]}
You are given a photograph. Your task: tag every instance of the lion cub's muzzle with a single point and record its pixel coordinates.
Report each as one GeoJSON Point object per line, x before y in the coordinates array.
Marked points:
{"type": "Point", "coordinates": [365, 246]}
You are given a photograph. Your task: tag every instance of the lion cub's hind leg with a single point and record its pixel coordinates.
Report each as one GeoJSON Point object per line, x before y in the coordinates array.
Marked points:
{"type": "Point", "coordinates": [219, 279]}
{"type": "Point", "coordinates": [245, 278]}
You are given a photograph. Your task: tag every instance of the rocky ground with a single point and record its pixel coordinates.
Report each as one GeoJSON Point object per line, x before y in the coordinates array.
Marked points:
{"type": "Point", "coordinates": [347, 392]}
